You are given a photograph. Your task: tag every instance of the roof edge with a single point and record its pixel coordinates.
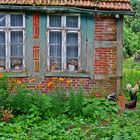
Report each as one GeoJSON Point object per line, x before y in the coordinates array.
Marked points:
{"type": "Point", "coordinates": [65, 8]}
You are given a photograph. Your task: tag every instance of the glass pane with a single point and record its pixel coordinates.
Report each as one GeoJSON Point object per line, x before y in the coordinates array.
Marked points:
{"type": "Point", "coordinates": [16, 63]}
{"type": "Point", "coordinates": [16, 37]}
{"type": "Point", "coordinates": [72, 45]}
{"type": "Point", "coordinates": [16, 50]}
{"type": "Point", "coordinates": [2, 44]}
{"type": "Point", "coordinates": [72, 21]}
{"type": "Point", "coordinates": [72, 64]}
{"type": "Point", "coordinates": [16, 20]}
{"type": "Point", "coordinates": [2, 63]}
{"type": "Point", "coordinates": [72, 51]}
{"type": "Point", "coordinates": [55, 64]}
{"type": "Point", "coordinates": [55, 21]}
{"type": "Point", "coordinates": [55, 41]}
{"type": "Point", "coordinates": [2, 20]}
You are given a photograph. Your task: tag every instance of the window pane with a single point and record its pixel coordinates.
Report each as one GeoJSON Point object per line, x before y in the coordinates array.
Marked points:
{"type": "Point", "coordinates": [2, 44]}
{"type": "Point", "coordinates": [2, 50]}
{"type": "Point", "coordinates": [2, 63]}
{"type": "Point", "coordinates": [16, 63]}
{"type": "Point", "coordinates": [2, 20]}
{"type": "Point", "coordinates": [72, 21]}
{"type": "Point", "coordinates": [72, 51]}
{"type": "Point", "coordinates": [55, 64]}
{"type": "Point", "coordinates": [55, 43]}
{"type": "Point", "coordinates": [55, 21]}
{"type": "Point", "coordinates": [16, 20]}
{"type": "Point", "coordinates": [72, 44]}
{"type": "Point", "coordinates": [2, 37]}
{"type": "Point", "coordinates": [16, 49]}
{"type": "Point", "coordinates": [16, 37]}
{"type": "Point", "coordinates": [72, 64]}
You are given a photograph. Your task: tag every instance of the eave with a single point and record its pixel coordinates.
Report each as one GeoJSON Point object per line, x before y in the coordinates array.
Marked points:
{"type": "Point", "coordinates": [67, 9]}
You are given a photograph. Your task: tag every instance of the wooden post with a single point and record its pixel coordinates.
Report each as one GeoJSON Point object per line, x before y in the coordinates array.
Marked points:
{"type": "Point", "coordinates": [119, 54]}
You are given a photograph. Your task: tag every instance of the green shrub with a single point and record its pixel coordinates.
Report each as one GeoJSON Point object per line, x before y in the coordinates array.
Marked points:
{"type": "Point", "coordinates": [75, 102]}
{"type": "Point", "coordinates": [58, 101]}
{"type": "Point", "coordinates": [4, 84]}
{"type": "Point", "coordinates": [96, 107]}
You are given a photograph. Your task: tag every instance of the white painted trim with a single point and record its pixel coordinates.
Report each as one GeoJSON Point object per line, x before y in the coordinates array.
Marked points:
{"type": "Point", "coordinates": [79, 50]}
{"type": "Point", "coordinates": [24, 37]}
{"type": "Point", "coordinates": [64, 31]}
{"type": "Point", "coordinates": [8, 50]}
{"type": "Point", "coordinates": [7, 28]}
{"type": "Point", "coordinates": [64, 51]}
{"type": "Point", "coordinates": [48, 51]}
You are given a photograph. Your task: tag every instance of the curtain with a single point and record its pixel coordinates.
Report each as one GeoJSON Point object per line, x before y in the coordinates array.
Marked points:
{"type": "Point", "coordinates": [55, 42]}
{"type": "Point", "coordinates": [16, 49]}
{"type": "Point", "coordinates": [2, 20]}
{"type": "Point", "coordinates": [2, 44]}
{"type": "Point", "coordinates": [72, 51]}
{"type": "Point", "coordinates": [16, 20]}
{"type": "Point", "coordinates": [2, 50]}
{"type": "Point", "coordinates": [72, 21]}
{"type": "Point", "coordinates": [17, 43]}
{"type": "Point", "coordinates": [55, 21]}
{"type": "Point", "coordinates": [72, 45]}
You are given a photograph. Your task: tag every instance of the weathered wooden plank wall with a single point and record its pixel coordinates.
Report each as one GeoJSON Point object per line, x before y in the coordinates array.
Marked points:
{"type": "Point", "coordinates": [28, 43]}
{"type": "Point", "coordinates": [43, 43]}
{"type": "Point", "coordinates": [87, 41]}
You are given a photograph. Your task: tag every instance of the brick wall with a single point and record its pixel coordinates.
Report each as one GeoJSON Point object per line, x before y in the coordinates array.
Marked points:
{"type": "Point", "coordinates": [105, 61]}
{"type": "Point", "coordinates": [105, 53]}
{"type": "Point", "coordinates": [47, 84]}
{"type": "Point", "coordinates": [104, 64]}
{"type": "Point", "coordinates": [105, 28]}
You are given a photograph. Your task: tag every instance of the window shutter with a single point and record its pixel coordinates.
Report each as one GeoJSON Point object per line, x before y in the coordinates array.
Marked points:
{"type": "Point", "coordinates": [36, 21]}
{"type": "Point", "coordinates": [36, 58]}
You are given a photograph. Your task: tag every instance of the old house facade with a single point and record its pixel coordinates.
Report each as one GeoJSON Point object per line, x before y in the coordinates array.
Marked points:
{"type": "Point", "coordinates": [76, 40]}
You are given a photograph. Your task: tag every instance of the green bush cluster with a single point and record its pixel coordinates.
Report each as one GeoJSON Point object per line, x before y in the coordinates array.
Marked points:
{"type": "Point", "coordinates": [132, 31]}
{"type": "Point", "coordinates": [64, 115]}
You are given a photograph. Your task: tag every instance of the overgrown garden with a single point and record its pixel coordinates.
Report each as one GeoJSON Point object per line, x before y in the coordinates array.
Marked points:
{"type": "Point", "coordinates": [62, 115]}
{"type": "Point", "coordinates": [69, 115]}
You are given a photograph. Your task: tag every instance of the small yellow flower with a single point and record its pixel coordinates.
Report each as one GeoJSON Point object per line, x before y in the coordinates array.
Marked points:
{"type": "Point", "coordinates": [69, 81]}
{"type": "Point", "coordinates": [50, 84]}
{"type": "Point", "coordinates": [1, 75]}
{"type": "Point", "coordinates": [39, 86]}
{"type": "Point", "coordinates": [54, 78]}
{"type": "Point", "coordinates": [32, 80]}
{"type": "Point", "coordinates": [61, 79]}
{"type": "Point", "coordinates": [18, 82]}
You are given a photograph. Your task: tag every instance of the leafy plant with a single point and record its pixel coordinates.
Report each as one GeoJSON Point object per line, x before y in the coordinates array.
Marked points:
{"type": "Point", "coordinates": [58, 101]}
{"type": "Point", "coordinates": [75, 102]}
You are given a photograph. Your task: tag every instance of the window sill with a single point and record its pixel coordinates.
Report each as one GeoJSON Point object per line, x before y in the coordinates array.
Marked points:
{"type": "Point", "coordinates": [15, 74]}
{"type": "Point", "coordinates": [68, 74]}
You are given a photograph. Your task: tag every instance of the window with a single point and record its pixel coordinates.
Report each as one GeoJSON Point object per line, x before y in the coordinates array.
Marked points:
{"type": "Point", "coordinates": [63, 42]}
{"type": "Point", "coordinates": [12, 41]}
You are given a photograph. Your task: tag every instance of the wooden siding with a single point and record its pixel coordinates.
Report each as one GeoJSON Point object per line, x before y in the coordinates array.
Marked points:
{"type": "Point", "coordinates": [87, 42]}
{"type": "Point", "coordinates": [36, 25]}
{"type": "Point", "coordinates": [36, 58]}
{"type": "Point", "coordinates": [28, 43]}
{"type": "Point", "coordinates": [43, 43]}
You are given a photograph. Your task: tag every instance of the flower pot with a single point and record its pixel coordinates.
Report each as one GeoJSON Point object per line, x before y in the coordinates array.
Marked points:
{"type": "Point", "coordinates": [71, 67]}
